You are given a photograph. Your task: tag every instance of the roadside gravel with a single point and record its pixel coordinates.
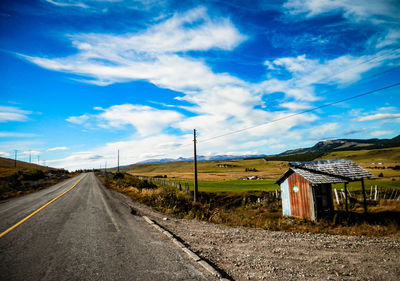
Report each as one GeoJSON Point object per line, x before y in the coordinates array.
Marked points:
{"type": "Point", "coordinates": [253, 254]}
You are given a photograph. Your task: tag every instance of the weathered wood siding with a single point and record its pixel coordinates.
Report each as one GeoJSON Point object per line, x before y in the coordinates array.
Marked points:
{"type": "Point", "coordinates": [301, 201]}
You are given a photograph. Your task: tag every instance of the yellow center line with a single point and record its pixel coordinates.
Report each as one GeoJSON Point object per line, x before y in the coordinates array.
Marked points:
{"type": "Point", "coordinates": [41, 208]}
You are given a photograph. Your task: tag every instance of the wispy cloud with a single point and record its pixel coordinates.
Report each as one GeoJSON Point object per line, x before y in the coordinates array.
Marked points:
{"type": "Point", "coordinates": [323, 129]}
{"type": "Point", "coordinates": [4, 154]}
{"type": "Point", "coordinates": [78, 119]}
{"type": "Point", "coordinates": [354, 131]}
{"type": "Point", "coordinates": [145, 119]}
{"type": "Point", "coordinates": [152, 54]}
{"type": "Point", "coordinates": [169, 54]}
{"type": "Point", "coordinates": [67, 3]}
{"type": "Point", "coordinates": [11, 113]}
{"type": "Point", "coordinates": [382, 133]}
{"type": "Point", "coordinates": [305, 73]}
{"type": "Point", "coordinates": [16, 135]}
{"type": "Point", "coordinates": [57, 148]}
{"type": "Point", "coordinates": [352, 9]}
{"type": "Point", "coordinates": [385, 14]}
{"type": "Point", "coordinates": [379, 116]}
{"type": "Point", "coordinates": [31, 152]}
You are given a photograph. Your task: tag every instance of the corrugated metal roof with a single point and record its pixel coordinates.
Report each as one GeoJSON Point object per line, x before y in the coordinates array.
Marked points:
{"type": "Point", "coordinates": [327, 171]}
{"type": "Point", "coordinates": [317, 178]}
{"type": "Point", "coordinates": [343, 168]}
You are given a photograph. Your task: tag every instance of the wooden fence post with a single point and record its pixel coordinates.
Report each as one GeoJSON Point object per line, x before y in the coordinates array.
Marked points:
{"type": "Point", "coordinates": [364, 197]}
{"type": "Point", "coordinates": [337, 197]}
{"type": "Point", "coordinates": [370, 194]}
{"type": "Point", "coordinates": [345, 197]}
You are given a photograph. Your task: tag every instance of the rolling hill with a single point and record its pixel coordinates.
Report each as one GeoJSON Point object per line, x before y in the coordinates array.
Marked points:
{"type": "Point", "coordinates": [346, 145]}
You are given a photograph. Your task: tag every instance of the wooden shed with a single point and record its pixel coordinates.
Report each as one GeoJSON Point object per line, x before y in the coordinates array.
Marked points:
{"type": "Point", "coordinates": [306, 187]}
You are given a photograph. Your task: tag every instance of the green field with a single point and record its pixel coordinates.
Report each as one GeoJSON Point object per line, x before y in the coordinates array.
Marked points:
{"type": "Point", "coordinates": [381, 184]}
{"type": "Point", "coordinates": [233, 185]}
{"type": "Point", "coordinates": [213, 178]}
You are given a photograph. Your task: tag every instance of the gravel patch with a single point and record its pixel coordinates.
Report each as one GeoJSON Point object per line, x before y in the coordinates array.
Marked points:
{"type": "Point", "coordinates": [253, 254]}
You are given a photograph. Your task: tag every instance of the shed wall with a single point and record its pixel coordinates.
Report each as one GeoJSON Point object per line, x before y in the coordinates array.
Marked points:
{"type": "Point", "coordinates": [285, 198]}
{"type": "Point", "coordinates": [300, 202]}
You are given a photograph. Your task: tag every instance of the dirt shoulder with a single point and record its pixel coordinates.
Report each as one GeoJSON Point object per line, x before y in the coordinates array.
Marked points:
{"type": "Point", "coordinates": [253, 254]}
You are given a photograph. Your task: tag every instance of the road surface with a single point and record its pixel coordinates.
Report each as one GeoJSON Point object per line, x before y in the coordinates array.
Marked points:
{"type": "Point", "coordinates": [86, 234]}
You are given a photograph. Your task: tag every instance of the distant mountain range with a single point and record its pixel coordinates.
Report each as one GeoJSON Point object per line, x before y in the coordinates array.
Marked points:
{"type": "Point", "coordinates": [345, 144]}
{"type": "Point", "coordinates": [301, 154]}
{"type": "Point", "coordinates": [201, 158]}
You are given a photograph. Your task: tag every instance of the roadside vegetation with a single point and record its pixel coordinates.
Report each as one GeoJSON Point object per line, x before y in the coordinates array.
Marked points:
{"type": "Point", "coordinates": [227, 195]}
{"type": "Point", "coordinates": [24, 178]}
{"type": "Point", "coordinates": [257, 209]}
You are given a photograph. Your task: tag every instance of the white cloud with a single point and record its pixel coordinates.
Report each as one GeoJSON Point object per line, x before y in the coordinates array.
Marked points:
{"type": "Point", "coordinates": [352, 9]}
{"type": "Point", "coordinates": [305, 74]}
{"type": "Point", "coordinates": [57, 148]}
{"type": "Point", "coordinates": [379, 116]}
{"type": "Point", "coordinates": [295, 106]}
{"type": "Point", "coordinates": [381, 133]}
{"type": "Point", "coordinates": [145, 119]}
{"type": "Point", "coordinates": [384, 14]}
{"type": "Point", "coordinates": [221, 103]}
{"type": "Point", "coordinates": [4, 154]}
{"type": "Point", "coordinates": [31, 152]}
{"type": "Point", "coordinates": [343, 69]}
{"type": "Point", "coordinates": [78, 119]}
{"type": "Point", "coordinates": [16, 135]}
{"type": "Point", "coordinates": [11, 113]}
{"type": "Point", "coordinates": [319, 131]}
{"type": "Point", "coordinates": [67, 3]}
{"type": "Point", "coordinates": [152, 54]}
{"type": "Point", "coordinates": [392, 37]}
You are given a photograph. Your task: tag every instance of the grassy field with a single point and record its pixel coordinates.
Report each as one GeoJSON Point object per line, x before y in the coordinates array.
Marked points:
{"type": "Point", "coordinates": [208, 170]}
{"type": "Point", "coordinates": [216, 176]}
{"type": "Point", "coordinates": [233, 185]}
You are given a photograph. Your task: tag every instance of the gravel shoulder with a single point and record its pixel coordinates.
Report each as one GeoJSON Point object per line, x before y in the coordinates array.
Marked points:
{"type": "Point", "coordinates": [253, 254]}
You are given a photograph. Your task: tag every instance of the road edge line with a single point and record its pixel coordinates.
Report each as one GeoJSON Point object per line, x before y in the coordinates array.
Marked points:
{"type": "Point", "coordinates": [38, 210]}
{"type": "Point", "coordinates": [199, 260]}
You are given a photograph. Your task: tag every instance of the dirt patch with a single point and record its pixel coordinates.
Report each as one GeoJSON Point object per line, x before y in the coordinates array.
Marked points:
{"type": "Point", "coordinates": [252, 254]}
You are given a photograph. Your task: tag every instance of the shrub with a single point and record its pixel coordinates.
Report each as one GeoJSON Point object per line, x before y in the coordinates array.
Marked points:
{"type": "Point", "coordinates": [118, 176]}
{"type": "Point", "coordinates": [33, 175]}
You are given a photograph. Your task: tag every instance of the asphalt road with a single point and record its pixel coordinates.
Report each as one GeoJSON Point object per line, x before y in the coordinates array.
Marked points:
{"type": "Point", "coordinates": [86, 234]}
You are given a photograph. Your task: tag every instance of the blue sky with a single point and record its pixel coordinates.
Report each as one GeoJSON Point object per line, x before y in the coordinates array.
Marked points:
{"type": "Point", "coordinates": [82, 79]}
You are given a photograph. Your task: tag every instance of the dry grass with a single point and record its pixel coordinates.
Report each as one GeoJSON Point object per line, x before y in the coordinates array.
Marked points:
{"type": "Point", "coordinates": [242, 209]}
{"type": "Point", "coordinates": [208, 170]}
{"type": "Point", "coordinates": [26, 178]}
{"type": "Point", "coordinates": [7, 167]}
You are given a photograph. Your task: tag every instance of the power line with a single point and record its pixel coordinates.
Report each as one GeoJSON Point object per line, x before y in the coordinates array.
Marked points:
{"type": "Point", "coordinates": [302, 112]}
{"type": "Point", "coordinates": [328, 104]}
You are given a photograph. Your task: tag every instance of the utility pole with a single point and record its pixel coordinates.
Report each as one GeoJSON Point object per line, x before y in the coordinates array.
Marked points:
{"type": "Point", "coordinates": [118, 160]}
{"type": "Point", "coordinates": [15, 158]}
{"type": "Point", "coordinates": [195, 167]}
{"type": "Point", "coordinates": [30, 156]}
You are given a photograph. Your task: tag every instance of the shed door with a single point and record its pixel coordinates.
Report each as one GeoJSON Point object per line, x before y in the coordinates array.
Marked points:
{"type": "Point", "coordinates": [300, 200]}
{"type": "Point", "coordinates": [323, 199]}
{"type": "Point", "coordinates": [285, 198]}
